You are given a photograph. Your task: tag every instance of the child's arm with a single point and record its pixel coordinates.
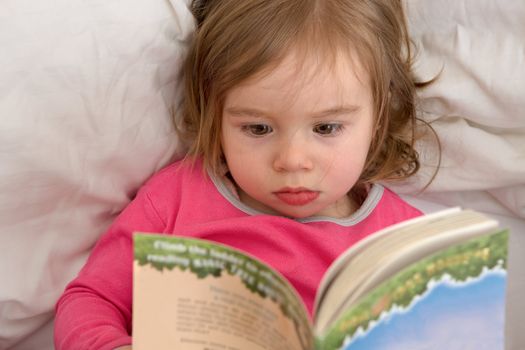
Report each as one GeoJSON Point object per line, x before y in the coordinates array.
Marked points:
{"type": "Point", "coordinates": [95, 310]}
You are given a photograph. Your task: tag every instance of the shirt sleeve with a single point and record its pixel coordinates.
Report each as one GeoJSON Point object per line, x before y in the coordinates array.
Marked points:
{"type": "Point", "coordinates": [94, 312]}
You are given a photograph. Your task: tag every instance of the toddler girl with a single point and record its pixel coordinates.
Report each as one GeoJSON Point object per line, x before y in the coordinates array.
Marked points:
{"type": "Point", "coordinates": [293, 111]}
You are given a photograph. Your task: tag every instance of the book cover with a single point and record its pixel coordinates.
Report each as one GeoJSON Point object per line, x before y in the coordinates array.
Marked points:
{"type": "Point", "coordinates": [454, 299]}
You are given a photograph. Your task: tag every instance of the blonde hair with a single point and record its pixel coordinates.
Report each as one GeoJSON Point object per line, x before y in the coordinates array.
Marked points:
{"type": "Point", "coordinates": [236, 39]}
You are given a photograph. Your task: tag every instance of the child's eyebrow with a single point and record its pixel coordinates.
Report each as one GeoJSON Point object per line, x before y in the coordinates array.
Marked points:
{"type": "Point", "coordinates": [329, 112]}
{"type": "Point", "coordinates": [340, 110]}
{"type": "Point", "coordinates": [244, 111]}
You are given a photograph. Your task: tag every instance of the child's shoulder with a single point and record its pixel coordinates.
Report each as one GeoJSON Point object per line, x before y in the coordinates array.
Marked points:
{"type": "Point", "coordinates": [183, 166]}
{"type": "Point", "coordinates": [391, 204]}
{"type": "Point", "coordinates": [185, 172]}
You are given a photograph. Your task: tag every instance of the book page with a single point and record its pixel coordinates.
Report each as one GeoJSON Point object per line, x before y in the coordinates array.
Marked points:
{"type": "Point", "coordinates": [192, 294]}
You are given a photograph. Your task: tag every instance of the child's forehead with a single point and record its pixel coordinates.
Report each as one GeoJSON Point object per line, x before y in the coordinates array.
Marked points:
{"type": "Point", "coordinates": [304, 82]}
{"type": "Point", "coordinates": [303, 67]}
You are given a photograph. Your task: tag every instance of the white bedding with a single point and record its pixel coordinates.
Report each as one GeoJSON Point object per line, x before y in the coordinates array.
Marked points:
{"type": "Point", "coordinates": [477, 103]}
{"type": "Point", "coordinates": [85, 94]}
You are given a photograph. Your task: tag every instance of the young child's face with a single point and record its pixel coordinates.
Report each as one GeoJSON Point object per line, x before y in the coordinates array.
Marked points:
{"type": "Point", "coordinates": [296, 140]}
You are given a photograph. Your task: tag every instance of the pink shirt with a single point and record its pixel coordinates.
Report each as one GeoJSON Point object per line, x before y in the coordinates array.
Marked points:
{"type": "Point", "coordinates": [95, 310]}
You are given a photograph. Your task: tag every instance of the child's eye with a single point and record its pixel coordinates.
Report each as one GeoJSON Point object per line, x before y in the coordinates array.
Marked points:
{"type": "Point", "coordinates": [328, 128]}
{"type": "Point", "coordinates": [257, 129]}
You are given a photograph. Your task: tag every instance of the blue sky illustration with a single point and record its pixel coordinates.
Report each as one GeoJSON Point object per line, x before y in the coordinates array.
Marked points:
{"type": "Point", "coordinates": [449, 316]}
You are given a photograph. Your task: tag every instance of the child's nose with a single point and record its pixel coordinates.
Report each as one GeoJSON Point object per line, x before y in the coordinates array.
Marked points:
{"type": "Point", "coordinates": [293, 155]}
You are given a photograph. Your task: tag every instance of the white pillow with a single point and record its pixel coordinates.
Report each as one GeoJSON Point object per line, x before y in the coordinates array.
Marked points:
{"type": "Point", "coordinates": [477, 103]}
{"type": "Point", "coordinates": [85, 95]}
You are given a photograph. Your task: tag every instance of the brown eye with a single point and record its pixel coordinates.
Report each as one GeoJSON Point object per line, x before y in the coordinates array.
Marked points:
{"type": "Point", "coordinates": [327, 128]}
{"type": "Point", "coordinates": [257, 129]}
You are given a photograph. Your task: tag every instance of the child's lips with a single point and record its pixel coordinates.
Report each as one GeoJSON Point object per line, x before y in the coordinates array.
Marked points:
{"type": "Point", "coordinates": [296, 196]}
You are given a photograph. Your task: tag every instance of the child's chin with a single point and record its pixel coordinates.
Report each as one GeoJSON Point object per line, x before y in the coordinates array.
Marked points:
{"type": "Point", "coordinates": [297, 213]}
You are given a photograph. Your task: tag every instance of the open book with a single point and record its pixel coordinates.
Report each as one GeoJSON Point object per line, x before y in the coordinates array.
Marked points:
{"type": "Point", "coordinates": [434, 280]}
